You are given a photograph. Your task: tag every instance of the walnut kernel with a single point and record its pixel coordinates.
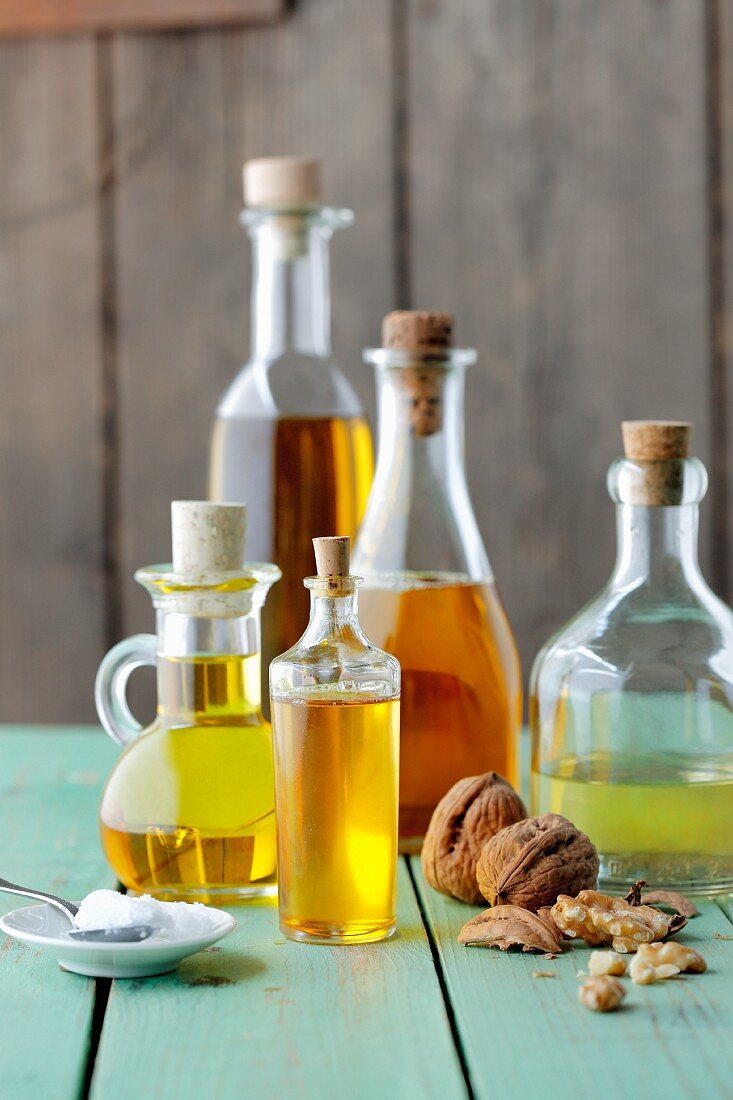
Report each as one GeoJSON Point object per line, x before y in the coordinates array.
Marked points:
{"type": "Point", "coordinates": [472, 811]}
{"type": "Point", "coordinates": [598, 919]}
{"type": "Point", "coordinates": [601, 993]}
{"type": "Point", "coordinates": [654, 962]}
{"type": "Point", "coordinates": [531, 862]}
{"type": "Point", "coordinates": [507, 926]}
{"type": "Point", "coordinates": [606, 962]}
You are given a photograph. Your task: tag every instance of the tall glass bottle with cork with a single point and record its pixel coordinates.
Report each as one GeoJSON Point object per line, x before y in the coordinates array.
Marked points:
{"type": "Point", "coordinates": [335, 714]}
{"type": "Point", "coordinates": [290, 438]}
{"type": "Point", "coordinates": [188, 812]}
{"type": "Point", "coordinates": [429, 595]}
{"type": "Point", "coordinates": [632, 701]}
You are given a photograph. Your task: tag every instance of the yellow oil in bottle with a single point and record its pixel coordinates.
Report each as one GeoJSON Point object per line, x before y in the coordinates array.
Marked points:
{"type": "Point", "coordinates": [648, 818]}
{"type": "Point", "coordinates": [461, 693]}
{"type": "Point", "coordinates": [188, 812]}
{"type": "Point", "coordinates": [337, 768]}
{"type": "Point", "coordinates": [311, 474]}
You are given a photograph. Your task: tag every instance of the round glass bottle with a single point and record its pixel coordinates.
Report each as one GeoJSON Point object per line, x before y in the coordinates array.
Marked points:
{"type": "Point", "coordinates": [632, 701]}
{"type": "Point", "coordinates": [335, 713]}
{"type": "Point", "coordinates": [290, 439]}
{"type": "Point", "coordinates": [429, 595]}
{"type": "Point", "coordinates": [188, 812]}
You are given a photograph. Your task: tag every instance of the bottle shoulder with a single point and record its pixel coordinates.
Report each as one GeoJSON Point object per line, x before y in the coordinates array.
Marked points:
{"type": "Point", "coordinates": [642, 630]}
{"type": "Point", "coordinates": [290, 385]}
{"type": "Point", "coordinates": [345, 666]}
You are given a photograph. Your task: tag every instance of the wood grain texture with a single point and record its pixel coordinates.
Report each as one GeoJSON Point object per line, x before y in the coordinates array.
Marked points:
{"type": "Point", "coordinates": [189, 110]}
{"type": "Point", "coordinates": [720, 170]}
{"type": "Point", "coordinates": [557, 196]}
{"type": "Point", "coordinates": [51, 606]}
{"type": "Point", "coordinates": [49, 789]}
{"type": "Point", "coordinates": [278, 1019]}
{"type": "Point", "coordinates": [529, 1036]}
{"type": "Point", "coordinates": [21, 17]}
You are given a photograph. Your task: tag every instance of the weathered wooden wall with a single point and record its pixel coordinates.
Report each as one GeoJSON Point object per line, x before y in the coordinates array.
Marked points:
{"type": "Point", "coordinates": [557, 172]}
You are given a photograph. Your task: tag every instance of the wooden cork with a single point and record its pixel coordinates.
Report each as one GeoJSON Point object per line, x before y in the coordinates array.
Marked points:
{"type": "Point", "coordinates": [658, 448]}
{"type": "Point", "coordinates": [207, 537]}
{"type": "Point", "coordinates": [417, 330]}
{"type": "Point", "coordinates": [656, 440]}
{"type": "Point", "coordinates": [282, 183]}
{"type": "Point", "coordinates": [424, 334]}
{"type": "Point", "coordinates": [333, 555]}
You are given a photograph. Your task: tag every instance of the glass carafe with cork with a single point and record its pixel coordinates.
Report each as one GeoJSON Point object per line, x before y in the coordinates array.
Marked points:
{"type": "Point", "coordinates": [429, 595]}
{"type": "Point", "coordinates": [632, 701]}
{"type": "Point", "coordinates": [335, 713]}
{"type": "Point", "coordinates": [290, 438]}
{"type": "Point", "coordinates": [188, 812]}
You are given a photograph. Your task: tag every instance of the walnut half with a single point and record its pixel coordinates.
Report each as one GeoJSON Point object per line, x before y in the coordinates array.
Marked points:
{"type": "Point", "coordinates": [599, 919]}
{"type": "Point", "coordinates": [472, 811]}
{"type": "Point", "coordinates": [507, 926]}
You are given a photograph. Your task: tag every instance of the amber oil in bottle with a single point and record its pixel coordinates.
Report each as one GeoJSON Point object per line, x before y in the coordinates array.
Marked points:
{"type": "Point", "coordinates": [335, 710]}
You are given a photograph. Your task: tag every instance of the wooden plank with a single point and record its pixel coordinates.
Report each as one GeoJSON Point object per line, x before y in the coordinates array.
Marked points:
{"type": "Point", "coordinates": [50, 455]}
{"type": "Point", "coordinates": [529, 1036]}
{"type": "Point", "coordinates": [21, 17]}
{"type": "Point", "coordinates": [720, 174]}
{"type": "Point", "coordinates": [189, 111]}
{"type": "Point", "coordinates": [49, 790]}
{"type": "Point", "coordinates": [279, 1019]}
{"type": "Point", "coordinates": [557, 199]}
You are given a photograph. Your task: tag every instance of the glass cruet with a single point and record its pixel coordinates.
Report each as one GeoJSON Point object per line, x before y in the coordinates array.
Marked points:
{"type": "Point", "coordinates": [188, 812]}
{"type": "Point", "coordinates": [429, 595]}
{"type": "Point", "coordinates": [290, 438]}
{"type": "Point", "coordinates": [335, 713]}
{"type": "Point", "coordinates": [632, 701]}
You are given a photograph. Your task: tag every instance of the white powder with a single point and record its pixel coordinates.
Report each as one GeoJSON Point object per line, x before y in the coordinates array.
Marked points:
{"type": "Point", "coordinates": [172, 920]}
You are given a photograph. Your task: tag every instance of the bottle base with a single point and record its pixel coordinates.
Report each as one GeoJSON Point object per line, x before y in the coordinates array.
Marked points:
{"type": "Point", "coordinates": [687, 873]}
{"type": "Point", "coordinates": [210, 895]}
{"type": "Point", "coordinates": [325, 932]}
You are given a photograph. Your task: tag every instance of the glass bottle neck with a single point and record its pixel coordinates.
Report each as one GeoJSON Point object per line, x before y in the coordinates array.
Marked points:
{"type": "Point", "coordinates": [419, 516]}
{"type": "Point", "coordinates": [656, 544]}
{"type": "Point", "coordinates": [333, 619]}
{"type": "Point", "coordinates": [208, 668]}
{"type": "Point", "coordinates": [291, 308]}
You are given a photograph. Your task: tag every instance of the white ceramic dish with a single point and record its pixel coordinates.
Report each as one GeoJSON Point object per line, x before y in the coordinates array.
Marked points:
{"type": "Point", "coordinates": [45, 927]}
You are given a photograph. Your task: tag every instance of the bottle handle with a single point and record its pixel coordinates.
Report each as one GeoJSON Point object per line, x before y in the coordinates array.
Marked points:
{"type": "Point", "coordinates": [110, 687]}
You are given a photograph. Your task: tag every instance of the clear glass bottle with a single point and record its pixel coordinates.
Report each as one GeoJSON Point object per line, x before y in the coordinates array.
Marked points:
{"type": "Point", "coordinates": [429, 595]}
{"type": "Point", "coordinates": [335, 713]}
{"type": "Point", "coordinates": [632, 701]}
{"type": "Point", "coordinates": [290, 438]}
{"type": "Point", "coordinates": [188, 812]}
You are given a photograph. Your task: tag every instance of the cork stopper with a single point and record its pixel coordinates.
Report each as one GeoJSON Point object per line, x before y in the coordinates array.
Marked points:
{"type": "Point", "coordinates": [424, 334]}
{"type": "Point", "coordinates": [656, 440]}
{"type": "Point", "coordinates": [282, 183]}
{"type": "Point", "coordinates": [333, 555]}
{"type": "Point", "coordinates": [207, 537]}
{"type": "Point", "coordinates": [420, 331]}
{"type": "Point", "coordinates": [658, 448]}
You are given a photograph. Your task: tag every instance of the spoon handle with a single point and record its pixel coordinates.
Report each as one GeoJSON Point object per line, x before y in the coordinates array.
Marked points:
{"type": "Point", "coordinates": [66, 907]}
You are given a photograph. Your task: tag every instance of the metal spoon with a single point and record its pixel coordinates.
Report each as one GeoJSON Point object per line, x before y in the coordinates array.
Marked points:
{"type": "Point", "coordinates": [133, 934]}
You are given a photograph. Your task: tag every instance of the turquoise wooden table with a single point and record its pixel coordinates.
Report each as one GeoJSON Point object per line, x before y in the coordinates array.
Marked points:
{"type": "Point", "coordinates": [260, 1017]}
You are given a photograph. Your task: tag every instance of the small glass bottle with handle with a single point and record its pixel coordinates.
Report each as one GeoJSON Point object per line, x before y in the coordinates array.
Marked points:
{"type": "Point", "coordinates": [335, 714]}
{"type": "Point", "coordinates": [632, 701]}
{"type": "Point", "coordinates": [188, 812]}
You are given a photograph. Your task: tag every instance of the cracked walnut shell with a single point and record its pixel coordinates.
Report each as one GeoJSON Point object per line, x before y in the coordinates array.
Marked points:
{"type": "Point", "coordinates": [599, 919]}
{"type": "Point", "coordinates": [472, 811]}
{"type": "Point", "coordinates": [507, 926]}
{"type": "Point", "coordinates": [531, 862]}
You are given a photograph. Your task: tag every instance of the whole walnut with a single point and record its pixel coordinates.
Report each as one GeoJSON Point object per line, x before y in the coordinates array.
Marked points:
{"type": "Point", "coordinates": [472, 811]}
{"type": "Point", "coordinates": [530, 863]}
